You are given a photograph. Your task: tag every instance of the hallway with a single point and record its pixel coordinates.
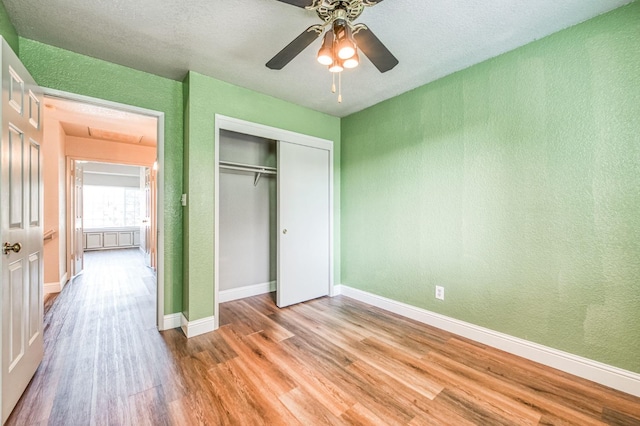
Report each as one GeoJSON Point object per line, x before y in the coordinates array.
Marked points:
{"type": "Point", "coordinates": [101, 345]}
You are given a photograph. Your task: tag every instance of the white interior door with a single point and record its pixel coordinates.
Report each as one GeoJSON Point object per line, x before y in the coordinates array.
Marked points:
{"type": "Point", "coordinates": [303, 223]}
{"type": "Point", "coordinates": [145, 228]}
{"type": "Point", "coordinates": [20, 229]}
{"type": "Point", "coordinates": [77, 245]}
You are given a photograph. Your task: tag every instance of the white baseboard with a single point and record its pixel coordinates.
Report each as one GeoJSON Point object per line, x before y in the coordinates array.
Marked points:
{"type": "Point", "coordinates": [197, 327]}
{"type": "Point", "coordinates": [248, 291]}
{"type": "Point", "coordinates": [56, 287]}
{"type": "Point", "coordinates": [52, 288]}
{"type": "Point", "coordinates": [171, 321]}
{"type": "Point", "coordinates": [614, 377]}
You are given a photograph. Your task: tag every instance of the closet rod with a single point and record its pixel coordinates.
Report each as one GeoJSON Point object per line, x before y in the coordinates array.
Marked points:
{"type": "Point", "coordinates": [247, 167]}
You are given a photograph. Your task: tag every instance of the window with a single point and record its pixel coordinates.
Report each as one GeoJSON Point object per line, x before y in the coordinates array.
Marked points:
{"type": "Point", "coordinates": [111, 206]}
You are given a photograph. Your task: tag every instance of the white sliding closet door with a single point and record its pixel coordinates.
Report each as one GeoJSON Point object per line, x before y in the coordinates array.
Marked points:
{"type": "Point", "coordinates": [303, 223]}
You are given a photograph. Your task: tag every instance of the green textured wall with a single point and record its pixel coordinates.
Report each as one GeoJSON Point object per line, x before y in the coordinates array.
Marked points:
{"type": "Point", "coordinates": [64, 70]}
{"type": "Point", "coordinates": [7, 30]}
{"type": "Point", "coordinates": [515, 184]}
{"type": "Point", "coordinates": [207, 97]}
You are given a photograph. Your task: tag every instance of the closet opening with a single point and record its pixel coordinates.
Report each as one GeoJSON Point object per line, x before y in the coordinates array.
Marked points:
{"type": "Point", "coordinates": [273, 214]}
{"type": "Point", "coordinates": [247, 216]}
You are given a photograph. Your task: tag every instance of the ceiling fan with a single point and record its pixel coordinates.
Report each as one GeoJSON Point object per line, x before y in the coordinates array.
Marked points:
{"type": "Point", "coordinates": [342, 38]}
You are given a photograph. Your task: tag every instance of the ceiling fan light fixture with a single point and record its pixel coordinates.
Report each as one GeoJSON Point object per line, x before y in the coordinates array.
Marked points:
{"type": "Point", "coordinates": [346, 50]}
{"type": "Point", "coordinates": [336, 66]}
{"type": "Point", "coordinates": [325, 54]}
{"type": "Point", "coordinates": [345, 46]}
{"type": "Point", "coordinates": [352, 62]}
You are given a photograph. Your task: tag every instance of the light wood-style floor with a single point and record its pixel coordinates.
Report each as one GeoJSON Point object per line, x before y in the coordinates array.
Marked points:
{"type": "Point", "coordinates": [328, 361]}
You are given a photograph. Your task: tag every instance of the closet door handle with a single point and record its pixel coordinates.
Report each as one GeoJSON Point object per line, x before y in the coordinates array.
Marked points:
{"type": "Point", "coordinates": [284, 231]}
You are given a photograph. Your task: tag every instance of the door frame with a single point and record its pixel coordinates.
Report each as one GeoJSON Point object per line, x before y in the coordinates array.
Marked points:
{"type": "Point", "coordinates": [237, 125]}
{"type": "Point", "coordinates": [70, 213]}
{"type": "Point", "coordinates": [159, 115]}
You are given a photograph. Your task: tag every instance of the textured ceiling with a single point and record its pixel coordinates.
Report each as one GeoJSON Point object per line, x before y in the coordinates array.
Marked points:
{"type": "Point", "coordinates": [231, 40]}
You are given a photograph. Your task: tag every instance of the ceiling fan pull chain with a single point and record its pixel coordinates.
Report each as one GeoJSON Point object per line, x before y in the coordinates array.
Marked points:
{"type": "Point", "coordinates": [333, 82]}
{"type": "Point", "coordinates": [339, 87]}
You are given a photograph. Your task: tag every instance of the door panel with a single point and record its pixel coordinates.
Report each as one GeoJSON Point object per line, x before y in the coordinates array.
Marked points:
{"type": "Point", "coordinates": [34, 183]}
{"type": "Point", "coordinates": [16, 202]}
{"type": "Point", "coordinates": [78, 225]}
{"type": "Point", "coordinates": [303, 223]}
{"type": "Point", "coordinates": [34, 110]}
{"type": "Point", "coordinates": [34, 299]}
{"type": "Point", "coordinates": [16, 295]}
{"type": "Point", "coordinates": [16, 89]}
{"type": "Point", "coordinates": [145, 229]}
{"type": "Point", "coordinates": [20, 227]}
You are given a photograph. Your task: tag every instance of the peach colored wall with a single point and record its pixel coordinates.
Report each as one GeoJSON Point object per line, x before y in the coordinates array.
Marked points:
{"type": "Point", "coordinates": [56, 147]}
{"type": "Point", "coordinates": [62, 205]}
{"type": "Point", "coordinates": [112, 152]}
{"type": "Point", "coordinates": [53, 151]}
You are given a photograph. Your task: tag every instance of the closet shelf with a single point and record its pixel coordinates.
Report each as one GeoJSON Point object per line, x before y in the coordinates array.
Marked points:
{"type": "Point", "coordinates": [258, 170]}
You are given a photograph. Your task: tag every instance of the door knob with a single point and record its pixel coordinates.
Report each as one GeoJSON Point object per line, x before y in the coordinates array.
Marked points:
{"type": "Point", "coordinates": [11, 247]}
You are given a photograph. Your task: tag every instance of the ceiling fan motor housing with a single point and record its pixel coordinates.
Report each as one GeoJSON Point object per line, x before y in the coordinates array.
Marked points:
{"type": "Point", "coordinates": [330, 10]}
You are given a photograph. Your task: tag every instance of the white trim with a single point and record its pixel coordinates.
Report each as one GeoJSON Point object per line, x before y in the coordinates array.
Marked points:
{"type": "Point", "coordinates": [331, 228]}
{"type": "Point", "coordinates": [614, 377]}
{"type": "Point", "coordinates": [171, 321]}
{"type": "Point", "coordinates": [246, 291]}
{"type": "Point", "coordinates": [197, 327]}
{"type": "Point", "coordinates": [260, 130]}
{"type": "Point", "coordinates": [63, 280]}
{"type": "Point", "coordinates": [159, 115]}
{"type": "Point", "coordinates": [55, 287]}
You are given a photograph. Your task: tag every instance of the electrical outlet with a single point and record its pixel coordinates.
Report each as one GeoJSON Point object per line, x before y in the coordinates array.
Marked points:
{"type": "Point", "coordinates": [439, 292]}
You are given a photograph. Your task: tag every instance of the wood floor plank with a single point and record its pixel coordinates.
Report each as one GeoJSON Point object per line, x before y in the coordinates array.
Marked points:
{"type": "Point", "coordinates": [475, 410]}
{"type": "Point", "coordinates": [259, 323]}
{"type": "Point", "coordinates": [307, 411]}
{"type": "Point", "coordinates": [239, 405]}
{"type": "Point", "coordinates": [468, 393]}
{"type": "Point", "coordinates": [614, 417]}
{"type": "Point", "coordinates": [359, 415]}
{"type": "Point", "coordinates": [541, 403]}
{"type": "Point", "coordinates": [322, 389]}
{"type": "Point", "coordinates": [575, 393]}
{"type": "Point", "coordinates": [259, 364]}
{"type": "Point", "coordinates": [326, 361]}
{"type": "Point", "coordinates": [147, 408]}
{"type": "Point", "coordinates": [552, 384]}
{"type": "Point", "coordinates": [324, 351]}
{"type": "Point", "coordinates": [424, 409]}
{"type": "Point", "coordinates": [383, 401]}
{"type": "Point", "coordinates": [274, 412]}
{"type": "Point", "coordinates": [354, 342]}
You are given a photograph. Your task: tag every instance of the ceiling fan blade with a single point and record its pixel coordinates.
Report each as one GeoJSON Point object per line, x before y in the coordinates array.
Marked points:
{"type": "Point", "coordinates": [294, 48]}
{"type": "Point", "coordinates": [373, 48]}
{"type": "Point", "coordinates": [299, 3]}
